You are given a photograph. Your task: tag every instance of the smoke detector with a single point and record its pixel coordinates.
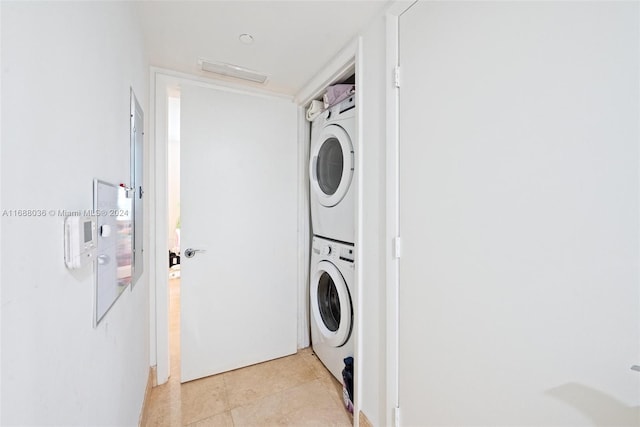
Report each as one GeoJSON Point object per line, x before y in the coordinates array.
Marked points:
{"type": "Point", "coordinates": [230, 70]}
{"type": "Point", "coordinates": [246, 38]}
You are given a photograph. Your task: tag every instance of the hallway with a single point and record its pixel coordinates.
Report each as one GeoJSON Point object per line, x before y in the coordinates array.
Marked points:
{"type": "Point", "coordinates": [294, 390]}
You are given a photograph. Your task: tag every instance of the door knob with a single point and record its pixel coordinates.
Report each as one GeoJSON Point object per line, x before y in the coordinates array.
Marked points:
{"type": "Point", "coordinates": [635, 368]}
{"type": "Point", "coordinates": [190, 252]}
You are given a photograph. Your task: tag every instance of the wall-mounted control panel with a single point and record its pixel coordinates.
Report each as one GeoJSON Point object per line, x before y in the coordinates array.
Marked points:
{"type": "Point", "coordinates": [80, 241]}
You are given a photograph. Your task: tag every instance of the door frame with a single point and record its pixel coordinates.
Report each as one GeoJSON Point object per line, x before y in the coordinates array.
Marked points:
{"type": "Point", "coordinates": [161, 80]}
{"type": "Point", "coordinates": [392, 249]}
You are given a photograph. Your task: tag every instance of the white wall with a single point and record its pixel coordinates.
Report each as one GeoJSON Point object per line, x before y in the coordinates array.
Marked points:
{"type": "Point", "coordinates": [67, 70]}
{"type": "Point", "coordinates": [519, 213]}
{"type": "Point", "coordinates": [373, 327]}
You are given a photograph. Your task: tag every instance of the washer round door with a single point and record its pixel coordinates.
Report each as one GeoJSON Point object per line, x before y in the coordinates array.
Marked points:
{"type": "Point", "coordinates": [331, 165]}
{"type": "Point", "coordinates": [331, 304]}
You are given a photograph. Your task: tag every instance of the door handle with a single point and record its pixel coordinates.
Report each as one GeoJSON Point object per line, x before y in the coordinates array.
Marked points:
{"type": "Point", "coordinates": [190, 252]}
{"type": "Point", "coordinates": [103, 259]}
{"type": "Point", "coordinates": [635, 368]}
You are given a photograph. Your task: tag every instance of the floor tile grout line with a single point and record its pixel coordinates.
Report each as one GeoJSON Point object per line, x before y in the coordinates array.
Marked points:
{"type": "Point", "coordinates": [305, 359]}
{"type": "Point", "coordinates": [310, 369]}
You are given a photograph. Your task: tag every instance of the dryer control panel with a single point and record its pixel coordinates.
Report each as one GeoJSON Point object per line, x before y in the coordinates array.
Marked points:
{"type": "Point", "coordinates": [347, 104]}
{"type": "Point", "coordinates": [335, 112]}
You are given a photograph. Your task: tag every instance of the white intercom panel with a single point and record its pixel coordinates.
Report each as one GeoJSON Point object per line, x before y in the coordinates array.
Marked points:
{"type": "Point", "coordinates": [80, 241]}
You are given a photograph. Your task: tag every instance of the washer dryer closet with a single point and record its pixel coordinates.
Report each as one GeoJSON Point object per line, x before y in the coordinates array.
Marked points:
{"type": "Point", "coordinates": [332, 167]}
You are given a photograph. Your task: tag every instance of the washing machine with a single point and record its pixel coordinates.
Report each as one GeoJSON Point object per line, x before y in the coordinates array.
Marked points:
{"type": "Point", "coordinates": [332, 302]}
{"type": "Point", "coordinates": [331, 172]}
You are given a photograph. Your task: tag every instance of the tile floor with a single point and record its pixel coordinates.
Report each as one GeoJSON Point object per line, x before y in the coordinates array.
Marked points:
{"type": "Point", "coordinates": [295, 390]}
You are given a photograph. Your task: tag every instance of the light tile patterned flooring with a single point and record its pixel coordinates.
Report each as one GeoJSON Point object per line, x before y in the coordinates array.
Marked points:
{"type": "Point", "coordinates": [295, 390]}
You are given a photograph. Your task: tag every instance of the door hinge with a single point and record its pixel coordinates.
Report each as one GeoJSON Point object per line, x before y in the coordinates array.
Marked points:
{"type": "Point", "coordinates": [397, 247]}
{"type": "Point", "coordinates": [396, 76]}
{"type": "Point", "coordinates": [396, 416]}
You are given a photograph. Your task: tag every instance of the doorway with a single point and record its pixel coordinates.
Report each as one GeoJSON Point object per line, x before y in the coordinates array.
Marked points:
{"type": "Point", "coordinates": [173, 227]}
{"type": "Point", "coordinates": [232, 192]}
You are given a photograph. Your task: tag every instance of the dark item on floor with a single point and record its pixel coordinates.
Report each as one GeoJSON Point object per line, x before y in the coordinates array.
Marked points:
{"type": "Point", "coordinates": [174, 259]}
{"type": "Point", "coordinates": [347, 384]}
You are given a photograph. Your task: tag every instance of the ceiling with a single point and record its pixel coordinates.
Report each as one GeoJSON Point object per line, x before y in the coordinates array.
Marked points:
{"type": "Point", "coordinates": [293, 39]}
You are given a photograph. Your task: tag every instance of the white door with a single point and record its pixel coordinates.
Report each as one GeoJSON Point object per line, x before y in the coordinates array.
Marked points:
{"type": "Point", "coordinates": [239, 210]}
{"type": "Point", "coordinates": [519, 214]}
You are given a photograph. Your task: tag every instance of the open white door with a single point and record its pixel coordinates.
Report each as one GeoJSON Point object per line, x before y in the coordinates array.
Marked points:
{"type": "Point", "coordinates": [519, 214]}
{"type": "Point", "coordinates": [239, 212]}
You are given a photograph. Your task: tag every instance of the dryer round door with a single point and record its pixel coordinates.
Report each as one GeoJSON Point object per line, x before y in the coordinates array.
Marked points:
{"type": "Point", "coordinates": [331, 165]}
{"type": "Point", "coordinates": [331, 304]}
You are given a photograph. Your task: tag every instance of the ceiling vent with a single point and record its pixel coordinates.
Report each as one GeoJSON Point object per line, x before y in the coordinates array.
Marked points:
{"type": "Point", "coordinates": [230, 70]}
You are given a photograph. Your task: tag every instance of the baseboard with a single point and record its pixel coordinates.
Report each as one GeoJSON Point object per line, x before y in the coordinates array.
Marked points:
{"type": "Point", "coordinates": [364, 421]}
{"type": "Point", "coordinates": [153, 378]}
{"type": "Point", "coordinates": [151, 382]}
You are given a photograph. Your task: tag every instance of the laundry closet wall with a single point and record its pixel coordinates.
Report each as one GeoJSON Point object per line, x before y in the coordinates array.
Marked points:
{"type": "Point", "coordinates": [370, 147]}
{"type": "Point", "coordinates": [67, 69]}
{"type": "Point", "coordinates": [372, 86]}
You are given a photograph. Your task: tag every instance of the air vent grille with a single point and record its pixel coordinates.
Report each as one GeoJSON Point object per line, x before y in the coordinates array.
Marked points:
{"type": "Point", "coordinates": [230, 70]}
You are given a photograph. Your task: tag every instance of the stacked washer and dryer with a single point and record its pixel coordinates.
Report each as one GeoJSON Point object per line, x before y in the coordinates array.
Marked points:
{"type": "Point", "coordinates": [332, 273]}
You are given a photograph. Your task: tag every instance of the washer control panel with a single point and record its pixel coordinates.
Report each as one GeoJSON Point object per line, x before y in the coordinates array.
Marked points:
{"type": "Point", "coordinates": [346, 253]}
{"type": "Point", "coordinates": [333, 250]}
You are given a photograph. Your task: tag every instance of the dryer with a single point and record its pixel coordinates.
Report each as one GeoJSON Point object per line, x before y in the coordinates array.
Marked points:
{"type": "Point", "coordinates": [332, 302]}
{"type": "Point", "coordinates": [331, 172]}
